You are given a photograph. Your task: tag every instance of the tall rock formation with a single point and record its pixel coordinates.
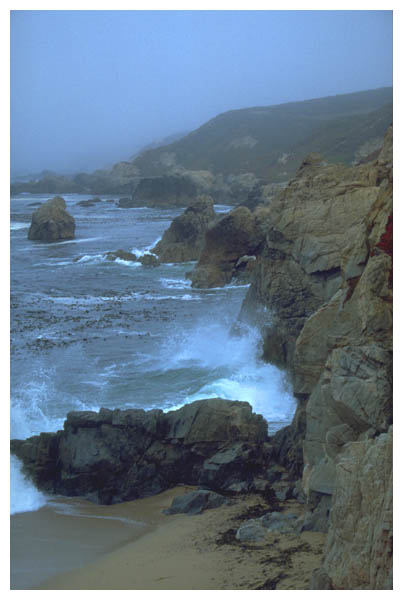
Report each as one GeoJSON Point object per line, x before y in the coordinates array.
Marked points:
{"type": "Point", "coordinates": [325, 278]}
{"type": "Point", "coordinates": [51, 222]}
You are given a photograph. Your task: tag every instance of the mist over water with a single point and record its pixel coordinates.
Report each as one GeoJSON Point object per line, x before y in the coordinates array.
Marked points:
{"type": "Point", "coordinates": [90, 333]}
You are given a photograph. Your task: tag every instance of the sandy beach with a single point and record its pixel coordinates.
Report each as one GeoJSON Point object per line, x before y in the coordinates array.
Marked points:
{"type": "Point", "coordinates": [179, 552]}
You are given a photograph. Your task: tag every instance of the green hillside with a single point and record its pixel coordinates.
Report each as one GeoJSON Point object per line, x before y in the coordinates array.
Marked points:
{"type": "Point", "coordinates": [271, 141]}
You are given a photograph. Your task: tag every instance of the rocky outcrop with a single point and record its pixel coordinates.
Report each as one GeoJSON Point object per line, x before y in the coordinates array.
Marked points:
{"type": "Point", "coordinates": [183, 241]}
{"type": "Point", "coordinates": [307, 228]}
{"type": "Point", "coordinates": [51, 222]}
{"type": "Point", "coordinates": [230, 248]}
{"type": "Point", "coordinates": [325, 278]}
{"type": "Point", "coordinates": [118, 455]}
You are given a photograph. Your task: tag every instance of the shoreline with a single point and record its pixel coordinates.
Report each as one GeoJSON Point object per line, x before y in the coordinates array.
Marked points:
{"type": "Point", "coordinates": [200, 552]}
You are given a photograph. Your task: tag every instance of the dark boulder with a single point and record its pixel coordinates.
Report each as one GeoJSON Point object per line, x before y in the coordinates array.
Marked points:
{"type": "Point", "coordinates": [51, 222]}
{"type": "Point", "coordinates": [113, 456]}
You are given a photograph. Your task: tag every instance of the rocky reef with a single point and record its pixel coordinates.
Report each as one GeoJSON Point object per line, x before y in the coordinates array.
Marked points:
{"type": "Point", "coordinates": [51, 222]}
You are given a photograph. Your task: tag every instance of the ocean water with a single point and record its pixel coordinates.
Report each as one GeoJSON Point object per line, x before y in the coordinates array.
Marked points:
{"type": "Point", "coordinates": [89, 333]}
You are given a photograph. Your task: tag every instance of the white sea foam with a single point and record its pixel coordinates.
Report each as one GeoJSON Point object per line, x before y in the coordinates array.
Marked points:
{"type": "Point", "coordinates": [175, 284]}
{"type": "Point", "coordinates": [237, 371]}
{"type": "Point", "coordinates": [24, 497]}
{"type": "Point", "coordinates": [15, 226]}
{"type": "Point", "coordinates": [75, 510]}
{"type": "Point", "coordinates": [147, 249]}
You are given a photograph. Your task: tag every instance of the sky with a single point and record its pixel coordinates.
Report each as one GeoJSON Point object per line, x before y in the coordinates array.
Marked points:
{"type": "Point", "coordinates": [89, 88]}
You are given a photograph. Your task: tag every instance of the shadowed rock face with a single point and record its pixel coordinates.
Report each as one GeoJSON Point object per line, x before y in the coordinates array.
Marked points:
{"type": "Point", "coordinates": [183, 241]}
{"type": "Point", "coordinates": [118, 455]}
{"type": "Point", "coordinates": [51, 222]}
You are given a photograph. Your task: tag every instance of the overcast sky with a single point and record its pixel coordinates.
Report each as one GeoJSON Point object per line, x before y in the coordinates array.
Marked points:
{"type": "Point", "coordinates": [88, 88]}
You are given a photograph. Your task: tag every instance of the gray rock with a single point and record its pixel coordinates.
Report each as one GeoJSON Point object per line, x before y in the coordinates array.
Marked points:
{"type": "Point", "coordinates": [280, 522]}
{"type": "Point", "coordinates": [194, 503]}
{"type": "Point", "coordinates": [251, 531]}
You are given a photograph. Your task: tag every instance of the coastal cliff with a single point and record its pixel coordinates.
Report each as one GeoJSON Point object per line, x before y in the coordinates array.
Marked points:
{"type": "Point", "coordinates": [321, 293]}
{"type": "Point", "coordinates": [325, 277]}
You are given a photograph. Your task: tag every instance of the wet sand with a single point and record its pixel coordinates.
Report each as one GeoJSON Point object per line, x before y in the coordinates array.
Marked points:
{"type": "Point", "coordinates": [71, 532]}
{"type": "Point", "coordinates": [180, 552]}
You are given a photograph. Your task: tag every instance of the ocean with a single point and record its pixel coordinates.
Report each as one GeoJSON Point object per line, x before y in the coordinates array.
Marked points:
{"type": "Point", "coordinates": [87, 332]}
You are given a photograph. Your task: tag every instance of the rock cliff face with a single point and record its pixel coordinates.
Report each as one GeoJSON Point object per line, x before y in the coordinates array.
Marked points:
{"type": "Point", "coordinates": [184, 239]}
{"type": "Point", "coordinates": [51, 222]}
{"type": "Point", "coordinates": [118, 455]}
{"type": "Point", "coordinates": [325, 276]}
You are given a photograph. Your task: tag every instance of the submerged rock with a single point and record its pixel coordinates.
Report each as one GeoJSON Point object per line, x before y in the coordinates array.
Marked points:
{"type": "Point", "coordinates": [51, 222]}
{"type": "Point", "coordinates": [118, 455]}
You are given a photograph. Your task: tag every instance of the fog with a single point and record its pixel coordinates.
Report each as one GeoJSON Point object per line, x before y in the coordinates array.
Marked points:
{"type": "Point", "coordinates": [89, 88]}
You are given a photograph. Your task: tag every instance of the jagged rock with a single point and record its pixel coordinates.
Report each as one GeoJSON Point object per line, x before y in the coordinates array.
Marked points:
{"type": "Point", "coordinates": [118, 455]}
{"type": "Point", "coordinates": [183, 241]}
{"type": "Point", "coordinates": [325, 277]}
{"type": "Point", "coordinates": [51, 222]}
{"type": "Point", "coordinates": [307, 228]}
{"type": "Point", "coordinates": [234, 236]}
{"type": "Point", "coordinates": [194, 503]}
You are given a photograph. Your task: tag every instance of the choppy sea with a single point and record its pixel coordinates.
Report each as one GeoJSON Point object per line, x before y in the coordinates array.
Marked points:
{"type": "Point", "coordinates": [89, 333]}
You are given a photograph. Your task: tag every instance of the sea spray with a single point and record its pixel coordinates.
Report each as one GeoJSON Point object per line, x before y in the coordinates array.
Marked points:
{"type": "Point", "coordinates": [232, 365]}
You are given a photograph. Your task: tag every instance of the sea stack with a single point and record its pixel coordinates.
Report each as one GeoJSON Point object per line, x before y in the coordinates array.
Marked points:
{"type": "Point", "coordinates": [51, 222]}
